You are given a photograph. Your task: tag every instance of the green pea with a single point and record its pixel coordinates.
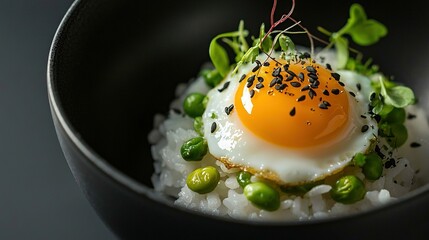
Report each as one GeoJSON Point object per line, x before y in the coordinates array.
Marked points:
{"type": "Point", "coordinates": [243, 178]}
{"type": "Point", "coordinates": [399, 135]}
{"type": "Point", "coordinates": [359, 159]}
{"type": "Point", "coordinates": [194, 149]}
{"type": "Point", "coordinates": [373, 167]}
{"type": "Point", "coordinates": [396, 115]}
{"type": "Point", "coordinates": [194, 104]}
{"type": "Point", "coordinates": [348, 189]}
{"type": "Point", "coordinates": [203, 180]}
{"type": "Point", "coordinates": [198, 125]}
{"type": "Point", "coordinates": [211, 77]}
{"type": "Point", "coordinates": [262, 196]}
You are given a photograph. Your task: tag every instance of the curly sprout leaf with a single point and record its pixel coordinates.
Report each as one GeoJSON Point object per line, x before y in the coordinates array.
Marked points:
{"type": "Point", "coordinates": [357, 15]}
{"type": "Point", "coordinates": [363, 31]}
{"type": "Point", "coordinates": [368, 33]}
{"type": "Point", "coordinates": [218, 54]}
{"type": "Point", "coordinates": [397, 96]}
{"type": "Point", "coordinates": [219, 57]}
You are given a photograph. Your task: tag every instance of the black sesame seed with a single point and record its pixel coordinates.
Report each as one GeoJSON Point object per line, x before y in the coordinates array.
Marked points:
{"type": "Point", "coordinates": [289, 78]}
{"type": "Point", "coordinates": [312, 75]}
{"type": "Point", "coordinates": [291, 73]}
{"type": "Point", "coordinates": [328, 66]}
{"type": "Point", "coordinates": [311, 69]}
{"type": "Point", "coordinates": [323, 106]}
{"type": "Point", "coordinates": [229, 109]}
{"type": "Point", "coordinates": [266, 64]}
{"type": "Point", "coordinates": [300, 99]}
{"type": "Point", "coordinates": [292, 112]}
{"type": "Point", "coordinates": [363, 116]}
{"type": "Point", "coordinates": [315, 84]}
{"type": "Point", "coordinates": [259, 86]}
{"type": "Point", "coordinates": [260, 79]}
{"type": "Point", "coordinates": [335, 91]}
{"type": "Point", "coordinates": [281, 86]}
{"type": "Point", "coordinates": [353, 94]}
{"type": "Point", "coordinates": [286, 67]}
{"type": "Point", "coordinates": [415, 145]}
{"type": "Point", "coordinates": [326, 92]}
{"type": "Point", "coordinates": [305, 55]}
{"type": "Point", "coordinates": [276, 72]}
{"type": "Point", "coordinates": [336, 76]}
{"type": "Point", "coordinates": [251, 78]}
{"type": "Point", "coordinates": [249, 84]}
{"type": "Point", "coordinates": [225, 86]}
{"type": "Point", "coordinates": [305, 88]}
{"type": "Point", "coordinates": [390, 163]}
{"type": "Point", "coordinates": [295, 84]}
{"type": "Point", "coordinates": [213, 127]}
{"type": "Point", "coordinates": [364, 128]}
{"type": "Point", "coordinates": [301, 76]}
{"type": "Point", "coordinates": [378, 151]}
{"type": "Point", "coordinates": [258, 62]}
{"type": "Point", "coordinates": [341, 83]}
{"type": "Point", "coordinates": [358, 86]}
{"type": "Point", "coordinates": [327, 103]}
{"type": "Point", "coordinates": [312, 93]}
{"type": "Point", "coordinates": [256, 68]}
{"type": "Point", "coordinates": [252, 93]}
{"type": "Point", "coordinates": [242, 77]}
{"type": "Point", "coordinates": [411, 116]}
{"type": "Point", "coordinates": [273, 82]}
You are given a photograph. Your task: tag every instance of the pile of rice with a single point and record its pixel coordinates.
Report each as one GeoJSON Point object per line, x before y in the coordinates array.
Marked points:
{"type": "Point", "coordinates": [400, 174]}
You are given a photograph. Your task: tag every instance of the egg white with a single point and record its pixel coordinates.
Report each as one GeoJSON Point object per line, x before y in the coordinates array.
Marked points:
{"type": "Point", "coordinates": [236, 146]}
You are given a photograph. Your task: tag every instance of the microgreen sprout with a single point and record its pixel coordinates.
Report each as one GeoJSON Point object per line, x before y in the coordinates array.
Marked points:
{"type": "Point", "coordinates": [363, 31]}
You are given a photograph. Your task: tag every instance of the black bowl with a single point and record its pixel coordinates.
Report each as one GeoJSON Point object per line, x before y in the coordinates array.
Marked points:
{"type": "Point", "coordinates": [105, 79]}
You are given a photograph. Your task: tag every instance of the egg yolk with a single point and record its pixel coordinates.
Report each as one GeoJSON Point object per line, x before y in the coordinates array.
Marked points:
{"type": "Point", "coordinates": [295, 104]}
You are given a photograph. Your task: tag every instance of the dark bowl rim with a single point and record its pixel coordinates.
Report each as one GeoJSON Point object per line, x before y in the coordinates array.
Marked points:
{"type": "Point", "coordinates": [140, 189]}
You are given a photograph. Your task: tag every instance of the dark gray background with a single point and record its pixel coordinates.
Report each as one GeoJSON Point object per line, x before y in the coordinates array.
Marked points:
{"type": "Point", "coordinates": [39, 198]}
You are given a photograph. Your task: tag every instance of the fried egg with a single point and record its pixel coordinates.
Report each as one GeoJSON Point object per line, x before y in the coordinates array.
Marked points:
{"type": "Point", "coordinates": [289, 121]}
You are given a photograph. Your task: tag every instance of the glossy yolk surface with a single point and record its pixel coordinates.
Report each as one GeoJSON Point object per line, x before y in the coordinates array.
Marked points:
{"type": "Point", "coordinates": [293, 104]}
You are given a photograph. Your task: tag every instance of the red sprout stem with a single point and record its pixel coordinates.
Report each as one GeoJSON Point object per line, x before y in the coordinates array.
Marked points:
{"type": "Point", "coordinates": [281, 20]}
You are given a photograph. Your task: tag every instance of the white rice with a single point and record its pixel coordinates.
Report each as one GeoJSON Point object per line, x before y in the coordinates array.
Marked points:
{"type": "Point", "coordinates": [171, 131]}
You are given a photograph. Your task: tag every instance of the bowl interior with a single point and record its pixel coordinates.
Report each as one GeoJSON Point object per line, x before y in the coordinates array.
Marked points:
{"type": "Point", "coordinates": [120, 65]}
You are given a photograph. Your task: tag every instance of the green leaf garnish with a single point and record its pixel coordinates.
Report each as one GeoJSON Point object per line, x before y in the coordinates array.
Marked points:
{"type": "Point", "coordinates": [397, 96]}
{"type": "Point", "coordinates": [363, 31]}
{"type": "Point", "coordinates": [218, 54]}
